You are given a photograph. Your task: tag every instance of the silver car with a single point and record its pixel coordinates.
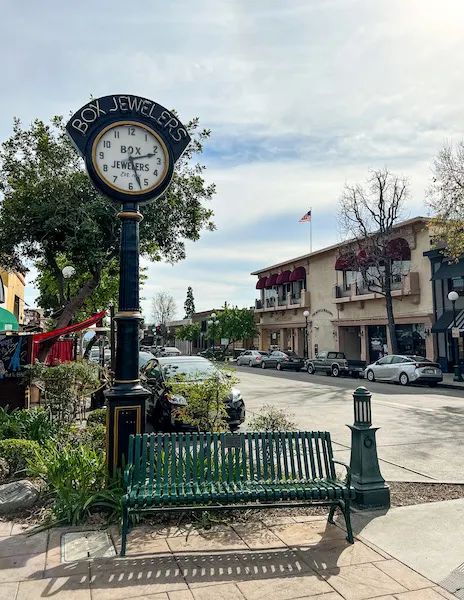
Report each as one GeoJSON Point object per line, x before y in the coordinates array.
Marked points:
{"type": "Point", "coordinates": [251, 358]}
{"type": "Point", "coordinates": [404, 369]}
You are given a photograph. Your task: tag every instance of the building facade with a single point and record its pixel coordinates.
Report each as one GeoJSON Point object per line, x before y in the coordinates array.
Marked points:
{"type": "Point", "coordinates": [343, 314]}
{"type": "Point", "coordinates": [447, 277]}
{"type": "Point", "coordinates": [13, 285]}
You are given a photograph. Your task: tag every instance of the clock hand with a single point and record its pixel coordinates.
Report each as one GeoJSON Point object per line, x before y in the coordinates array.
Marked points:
{"type": "Point", "coordinates": [146, 156]}
{"type": "Point", "coordinates": [137, 178]}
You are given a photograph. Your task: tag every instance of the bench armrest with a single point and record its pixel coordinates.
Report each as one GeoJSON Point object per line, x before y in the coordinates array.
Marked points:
{"type": "Point", "coordinates": [348, 471]}
{"type": "Point", "coordinates": [128, 472]}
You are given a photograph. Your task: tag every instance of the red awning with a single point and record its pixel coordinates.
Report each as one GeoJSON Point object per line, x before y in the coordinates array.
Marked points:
{"type": "Point", "coordinates": [345, 262]}
{"type": "Point", "coordinates": [271, 280]}
{"type": "Point", "coordinates": [56, 333]}
{"type": "Point", "coordinates": [261, 283]}
{"type": "Point", "coordinates": [283, 277]}
{"type": "Point", "coordinates": [398, 249]}
{"type": "Point", "coordinates": [363, 259]}
{"type": "Point", "coordinates": [297, 274]}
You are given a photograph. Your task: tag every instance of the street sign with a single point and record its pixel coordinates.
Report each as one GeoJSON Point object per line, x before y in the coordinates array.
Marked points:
{"type": "Point", "coordinates": [455, 332]}
{"type": "Point", "coordinates": [130, 145]}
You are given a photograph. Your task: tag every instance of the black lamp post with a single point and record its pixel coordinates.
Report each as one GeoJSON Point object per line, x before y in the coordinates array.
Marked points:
{"type": "Point", "coordinates": [212, 323]}
{"type": "Point", "coordinates": [452, 297]}
{"type": "Point", "coordinates": [306, 344]}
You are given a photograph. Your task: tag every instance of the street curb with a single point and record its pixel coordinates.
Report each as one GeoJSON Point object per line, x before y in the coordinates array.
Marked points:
{"type": "Point", "coordinates": [450, 386]}
{"type": "Point", "coordinates": [431, 482]}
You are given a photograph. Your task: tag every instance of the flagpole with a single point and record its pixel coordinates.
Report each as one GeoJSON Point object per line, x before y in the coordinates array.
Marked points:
{"type": "Point", "coordinates": [311, 231]}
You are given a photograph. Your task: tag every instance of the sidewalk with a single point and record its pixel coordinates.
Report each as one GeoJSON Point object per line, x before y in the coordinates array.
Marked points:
{"type": "Point", "coordinates": [449, 383]}
{"type": "Point", "coordinates": [277, 559]}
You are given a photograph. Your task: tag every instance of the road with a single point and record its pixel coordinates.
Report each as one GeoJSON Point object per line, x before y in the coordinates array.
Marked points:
{"type": "Point", "coordinates": [421, 429]}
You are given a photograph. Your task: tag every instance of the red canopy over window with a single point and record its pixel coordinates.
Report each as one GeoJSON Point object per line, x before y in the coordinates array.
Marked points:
{"type": "Point", "coordinates": [283, 277]}
{"type": "Point", "coordinates": [297, 274]}
{"type": "Point", "coordinates": [261, 283]}
{"type": "Point", "coordinates": [398, 249]}
{"type": "Point", "coordinates": [271, 280]}
{"type": "Point", "coordinates": [345, 262]}
{"type": "Point", "coordinates": [363, 259]}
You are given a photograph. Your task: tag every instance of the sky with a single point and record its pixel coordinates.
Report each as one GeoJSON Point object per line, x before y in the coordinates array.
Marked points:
{"type": "Point", "coordinates": [302, 97]}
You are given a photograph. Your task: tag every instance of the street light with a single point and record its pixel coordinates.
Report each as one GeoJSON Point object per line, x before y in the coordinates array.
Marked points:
{"type": "Point", "coordinates": [212, 323]}
{"type": "Point", "coordinates": [68, 272]}
{"type": "Point", "coordinates": [452, 297]}
{"type": "Point", "coordinates": [306, 344]}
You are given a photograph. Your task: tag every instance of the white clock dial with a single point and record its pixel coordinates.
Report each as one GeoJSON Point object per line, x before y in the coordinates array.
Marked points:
{"type": "Point", "coordinates": [130, 157]}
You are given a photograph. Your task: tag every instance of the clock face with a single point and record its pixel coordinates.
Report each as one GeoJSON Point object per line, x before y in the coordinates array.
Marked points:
{"type": "Point", "coordinates": [130, 157]}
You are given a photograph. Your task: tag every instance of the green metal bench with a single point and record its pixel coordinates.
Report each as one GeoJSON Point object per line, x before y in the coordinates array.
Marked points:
{"type": "Point", "coordinates": [210, 471]}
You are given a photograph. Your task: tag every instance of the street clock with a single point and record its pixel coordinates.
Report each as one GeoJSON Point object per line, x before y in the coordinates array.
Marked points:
{"type": "Point", "coordinates": [130, 146]}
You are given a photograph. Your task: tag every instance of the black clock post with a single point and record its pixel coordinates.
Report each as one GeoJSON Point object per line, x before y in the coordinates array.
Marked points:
{"type": "Point", "coordinates": [127, 398]}
{"type": "Point", "coordinates": [116, 172]}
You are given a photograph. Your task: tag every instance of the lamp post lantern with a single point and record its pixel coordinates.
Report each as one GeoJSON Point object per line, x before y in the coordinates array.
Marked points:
{"type": "Point", "coordinates": [212, 323]}
{"type": "Point", "coordinates": [452, 297]}
{"type": "Point", "coordinates": [306, 344]}
{"type": "Point", "coordinates": [130, 145]}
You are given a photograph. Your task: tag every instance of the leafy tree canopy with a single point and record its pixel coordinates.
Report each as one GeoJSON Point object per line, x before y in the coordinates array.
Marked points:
{"type": "Point", "coordinates": [234, 324]}
{"type": "Point", "coordinates": [51, 215]}
{"type": "Point", "coordinates": [188, 332]}
{"type": "Point", "coordinates": [189, 304]}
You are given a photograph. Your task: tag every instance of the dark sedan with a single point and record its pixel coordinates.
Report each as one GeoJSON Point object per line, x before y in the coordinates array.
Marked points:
{"type": "Point", "coordinates": [283, 360]}
{"type": "Point", "coordinates": [163, 405]}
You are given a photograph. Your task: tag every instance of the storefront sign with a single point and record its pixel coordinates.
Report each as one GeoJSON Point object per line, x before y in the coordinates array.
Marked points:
{"type": "Point", "coordinates": [130, 145]}
{"type": "Point", "coordinates": [455, 332]}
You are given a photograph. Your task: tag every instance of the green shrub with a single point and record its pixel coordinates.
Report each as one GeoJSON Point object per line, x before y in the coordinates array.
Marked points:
{"type": "Point", "coordinates": [17, 453]}
{"type": "Point", "coordinates": [95, 436]}
{"type": "Point", "coordinates": [269, 418]}
{"type": "Point", "coordinates": [97, 416]}
{"type": "Point", "coordinates": [76, 476]}
{"type": "Point", "coordinates": [29, 423]}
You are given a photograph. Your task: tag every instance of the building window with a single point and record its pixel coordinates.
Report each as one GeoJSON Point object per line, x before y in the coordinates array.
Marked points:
{"type": "Point", "coordinates": [456, 284]}
{"type": "Point", "coordinates": [411, 339]}
{"type": "Point", "coordinates": [16, 307]}
{"type": "Point", "coordinates": [349, 279]}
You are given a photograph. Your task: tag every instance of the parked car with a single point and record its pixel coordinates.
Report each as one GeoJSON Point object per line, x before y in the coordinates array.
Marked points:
{"type": "Point", "coordinates": [163, 405]}
{"type": "Point", "coordinates": [94, 356]}
{"type": "Point", "coordinates": [405, 369]}
{"type": "Point", "coordinates": [169, 351]}
{"type": "Point", "coordinates": [144, 357]}
{"type": "Point", "coordinates": [336, 364]}
{"type": "Point", "coordinates": [282, 360]}
{"type": "Point", "coordinates": [251, 358]}
{"type": "Point", "coordinates": [215, 353]}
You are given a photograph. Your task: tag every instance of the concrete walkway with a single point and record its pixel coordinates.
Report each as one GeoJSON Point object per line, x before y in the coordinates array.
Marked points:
{"type": "Point", "coordinates": [277, 559]}
{"type": "Point", "coordinates": [427, 537]}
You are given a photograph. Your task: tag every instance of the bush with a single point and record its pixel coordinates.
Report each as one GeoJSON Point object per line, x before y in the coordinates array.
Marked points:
{"type": "Point", "coordinates": [76, 476]}
{"type": "Point", "coordinates": [31, 423]}
{"type": "Point", "coordinates": [270, 418]}
{"type": "Point", "coordinates": [17, 453]}
{"type": "Point", "coordinates": [97, 416]}
{"type": "Point", "coordinates": [95, 436]}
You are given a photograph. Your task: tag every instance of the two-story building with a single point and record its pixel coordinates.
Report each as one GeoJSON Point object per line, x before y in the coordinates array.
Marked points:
{"type": "Point", "coordinates": [344, 313]}
{"type": "Point", "coordinates": [12, 285]}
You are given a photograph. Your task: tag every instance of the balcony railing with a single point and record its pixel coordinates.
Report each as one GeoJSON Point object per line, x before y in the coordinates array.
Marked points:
{"type": "Point", "coordinates": [290, 301]}
{"type": "Point", "coordinates": [402, 285]}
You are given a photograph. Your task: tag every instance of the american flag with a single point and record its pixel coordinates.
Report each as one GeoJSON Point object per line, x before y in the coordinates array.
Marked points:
{"type": "Point", "coordinates": [306, 217]}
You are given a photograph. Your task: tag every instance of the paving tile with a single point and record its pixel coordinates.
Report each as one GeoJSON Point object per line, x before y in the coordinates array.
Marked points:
{"type": "Point", "coordinates": [337, 553]}
{"type": "Point", "coordinates": [181, 595]}
{"type": "Point", "coordinates": [227, 591]}
{"type": "Point", "coordinates": [307, 518]}
{"type": "Point", "coordinates": [9, 590]}
{"type": "Point", "coordinates": [203, 570]}
{"type": "Point", "coordinates": [278, 520]}
{"type": "Point", "coordinates": [118, 579]}
{"type": "Point", "coordinates": [81, 545]}
{"type": "Point", "coordinates": [207, 541]}
{"type": "Point", "coordinates": [19, 568]}
{"type": "Point", "coordinates": [63, 588]}
{"type": "Point", "coordinates": [284, 588]}
{"type": "Point", "coordinates": [403, 574]}
{"type": "Point", "coordinates": [329, 596]}
{"type": "Point", "coordinates": [54, 564]}
{"type": "Point", "coordinates": [359, 582]}
{"type": "Point", "coordinates": [5, 527]}
{"type": "Point", "coordinates": [425, 594]}
{"type": "Point", "coordinates": [14, 545]}
{"type": "Point", "coordinates": [258, 536]}
{"type": "Point", "coordinates": [140, 541]}
{"type": "Point", "coordinates": [444, 593]}
{"type": "Point", "coordinates": [307, 533]}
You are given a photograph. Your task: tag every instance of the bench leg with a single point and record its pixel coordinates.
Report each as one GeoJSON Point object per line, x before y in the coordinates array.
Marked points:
{"type": "Point", "coordinates": [347, 515]}
{"type": "Point", "coordinates": [124, 530]}
{"type": "Point", "coordinates": [333, 508]}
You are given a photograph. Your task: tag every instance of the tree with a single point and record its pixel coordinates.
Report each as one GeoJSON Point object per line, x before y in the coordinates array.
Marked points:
{"type": "Point", "coordinates": [446, 199]}
{"type": "Point", "coordinates": [189, 304]}
{"type": "Point", "coordinates": [188, 332]}
{"type": "Point", "coordinates": [368, 215]}
{"type": "Point", "coordinates": [51, 215]}
{"type": "Point", "coordinates": [164, 308]}
{"type": "Point", "coordinates": [235, 324]}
